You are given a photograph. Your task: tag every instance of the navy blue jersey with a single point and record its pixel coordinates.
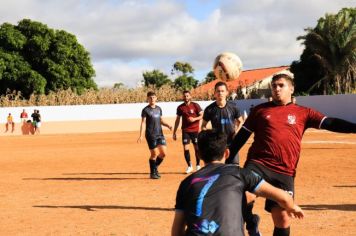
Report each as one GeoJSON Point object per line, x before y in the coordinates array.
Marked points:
{"type": "Point", "coordinates": [153, 121]}
{"type": "Point", "coordinates": [222, 119]}
{"type": "Point", "coordinates": [211, 199]}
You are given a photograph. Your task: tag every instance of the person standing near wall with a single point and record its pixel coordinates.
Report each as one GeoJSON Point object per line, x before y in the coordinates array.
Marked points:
{"type": "Point", "coordinates": [152, 115]}
{"type": "Point", "coordinates": [10, 122]}
{"type": "Point", "coordinates": [23, 116]}
{"type": "Point", "coordinates": [191, 114]}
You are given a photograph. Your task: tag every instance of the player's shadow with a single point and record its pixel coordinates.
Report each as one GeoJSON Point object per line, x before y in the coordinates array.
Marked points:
{"type": "Point", "coordinates": [323, 207]}
{"type": "Point", "coordinates": [126, 173]}
{"type": "Point", "coordinates": [82, 179]}
{"type": "Point", "coordinates": [108, 207]}
{"type": "Point", "coordinates": [344, 186]}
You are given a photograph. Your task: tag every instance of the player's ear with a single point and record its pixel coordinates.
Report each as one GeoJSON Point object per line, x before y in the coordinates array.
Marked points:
{"type": "Point", "coordinates": [226, 153]}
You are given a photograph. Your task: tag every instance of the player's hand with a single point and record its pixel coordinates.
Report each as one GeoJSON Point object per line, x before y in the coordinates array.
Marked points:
{"type": "Point", "coordinates": [191, 119]}
{"type": "Point", "coordinates": [174, 137]}
{"type": "Point", "coordinates": [139, 140]}
{"type": "Point", "coordinates": [297, 212]}
{"type": "Point", "coordinates": [170, 128]}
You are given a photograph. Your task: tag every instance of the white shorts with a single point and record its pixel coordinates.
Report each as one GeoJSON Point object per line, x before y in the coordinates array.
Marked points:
{"type": "Point", "coordinates": [38, 124]}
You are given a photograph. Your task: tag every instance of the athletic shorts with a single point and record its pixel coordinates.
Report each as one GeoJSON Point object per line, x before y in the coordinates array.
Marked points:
{"type": "Point", "coordinates": [284, 182]}
{"type": "Point", "coordinates": [154, 142]}
{"type": "Point", "coordinates": [187, 136]}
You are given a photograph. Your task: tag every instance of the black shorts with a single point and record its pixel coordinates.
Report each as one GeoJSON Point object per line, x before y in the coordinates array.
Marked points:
{"type": "Point", "coordinates": [187, 136]}
{"type": "Point", "coordinates": [154, 142]}
{"type": "Point", "coordinates": [284, 182]}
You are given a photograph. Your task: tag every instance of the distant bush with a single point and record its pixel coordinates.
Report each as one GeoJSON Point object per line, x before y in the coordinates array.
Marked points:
{"type": "Point", "coordinates": [101, 96]}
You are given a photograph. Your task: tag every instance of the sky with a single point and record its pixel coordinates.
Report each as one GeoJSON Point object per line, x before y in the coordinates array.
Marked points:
{"type": "Point", "coordinates": [128, 37]}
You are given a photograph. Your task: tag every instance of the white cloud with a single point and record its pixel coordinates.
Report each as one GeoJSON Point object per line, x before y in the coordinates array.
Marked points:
{"type": "Point", "coordinates": [128, 37]}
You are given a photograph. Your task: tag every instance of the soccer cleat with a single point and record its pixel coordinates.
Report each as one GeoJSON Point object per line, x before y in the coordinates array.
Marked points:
{"type": "Point", "coordinates": [198, 167]}
{"type": "Point", "coordinates": [157, 173]}
{"type": "Point", "coordinates": [252, 226]}
{"type": "Point", "coordinates": [189, 170]}
{"type": "Point", "coordinates": [154, 176]}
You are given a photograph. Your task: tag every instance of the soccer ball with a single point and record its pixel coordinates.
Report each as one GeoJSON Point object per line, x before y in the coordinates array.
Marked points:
{"type": "Point", "coordinates": [227, 66]}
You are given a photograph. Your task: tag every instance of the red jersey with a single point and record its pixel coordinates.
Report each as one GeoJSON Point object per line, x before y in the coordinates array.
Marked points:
{"type": "Point", "coordinates": [278, 132]}
{"type": "Point", "coordinates": [186, 111]}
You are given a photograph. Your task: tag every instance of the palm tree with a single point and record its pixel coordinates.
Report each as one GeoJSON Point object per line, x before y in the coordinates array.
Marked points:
{"type": "Point", "coordinates": [332, 44]}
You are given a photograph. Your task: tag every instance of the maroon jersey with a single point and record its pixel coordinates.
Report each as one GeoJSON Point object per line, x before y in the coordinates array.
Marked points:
{"type": "Point", "coordinates": [278, 132]}
{"type": "Point", "coordinates": [186, 111]}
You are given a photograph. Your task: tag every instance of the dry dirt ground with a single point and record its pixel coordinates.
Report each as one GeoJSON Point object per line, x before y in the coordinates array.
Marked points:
{"type": "Point", "coordinates": [97, 184]}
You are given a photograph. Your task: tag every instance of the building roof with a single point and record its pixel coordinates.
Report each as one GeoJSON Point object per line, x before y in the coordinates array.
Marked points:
{"type": "Point", "coordinates": [246, 78]}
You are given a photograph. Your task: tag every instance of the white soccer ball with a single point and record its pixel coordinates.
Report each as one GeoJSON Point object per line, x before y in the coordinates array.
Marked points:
{"type": "Point", "coordinates": [227, 66]}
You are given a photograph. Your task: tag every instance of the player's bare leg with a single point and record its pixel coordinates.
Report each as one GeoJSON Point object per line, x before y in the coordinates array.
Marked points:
{"type": "Point", "coordinates": [162, 149]}
{"type": "Point", "coordinates": [281, 222]}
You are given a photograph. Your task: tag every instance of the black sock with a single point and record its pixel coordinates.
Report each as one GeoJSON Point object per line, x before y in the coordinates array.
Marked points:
{"type": "Point", "coordinates": [281, 231]}
{"type": "Point", "coordinates": [158, 161]}
{"type": "Point", "coordinates": [247, 212]}
{"type": "Point", "coordinates": [197, 159]}
{"type": "Point", "coordinates": [152, 166]}
{"type": "Point", "coordinates": [187, 157]}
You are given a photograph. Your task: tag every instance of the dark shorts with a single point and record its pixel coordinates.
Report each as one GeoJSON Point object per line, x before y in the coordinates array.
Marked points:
{"type": "Point", "coordinates": [155, 142]}
{"type": "Point", "coordinates": [284, 182]}
{"type": "Point", "coordinates": [187, 136]}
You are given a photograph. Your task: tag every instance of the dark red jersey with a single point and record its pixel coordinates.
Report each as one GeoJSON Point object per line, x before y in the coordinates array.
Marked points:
{"type": "Point", "coordinates": [278, 132]}
{"type": "Point", "coordinates": [186, 111]}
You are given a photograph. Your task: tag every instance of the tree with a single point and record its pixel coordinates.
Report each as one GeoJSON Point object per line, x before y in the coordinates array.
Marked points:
{"type": "Point", "coordinates": [119, 85]}
{"type": "Point", "coordinates": [328, 62]}
{"type": "Point", "coordinates": [155, 78]}
{"type": "Point", "coordinates": [185, 79]}
{"type": "Point", "coordinates": [209, 77]}
{"type": "Point", "coordinates": [37, 59]}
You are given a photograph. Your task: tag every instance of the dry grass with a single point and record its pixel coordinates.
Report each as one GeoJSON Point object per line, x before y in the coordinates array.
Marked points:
{"type": "Point", "coordinates": [102, 96]}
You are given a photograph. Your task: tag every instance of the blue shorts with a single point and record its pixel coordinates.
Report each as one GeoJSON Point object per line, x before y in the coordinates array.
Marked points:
{"type": "Point", "coordinates": [155, 142]}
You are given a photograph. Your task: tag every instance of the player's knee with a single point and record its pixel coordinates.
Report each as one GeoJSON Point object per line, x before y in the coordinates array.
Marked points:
{"type": "Point", "coordinates": [280, 217]}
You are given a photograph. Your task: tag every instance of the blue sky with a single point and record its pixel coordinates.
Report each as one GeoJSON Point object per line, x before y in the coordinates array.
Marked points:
{"type": "Point", "coordinates": [127, 37]}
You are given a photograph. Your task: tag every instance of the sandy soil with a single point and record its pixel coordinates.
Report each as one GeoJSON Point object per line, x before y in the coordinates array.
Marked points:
{"type": "Point", "coordinates": [97, 184]}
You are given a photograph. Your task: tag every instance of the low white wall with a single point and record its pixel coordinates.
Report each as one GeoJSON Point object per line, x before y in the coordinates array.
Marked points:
{"type": "Point", "coordinates": [341, 106]}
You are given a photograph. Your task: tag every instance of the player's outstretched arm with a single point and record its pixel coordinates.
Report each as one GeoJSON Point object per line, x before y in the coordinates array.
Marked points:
{"type": "Point", "coordinates": [338, 125]}
{"type": "Point", "coordinates": [281, 197]}
{"type": "Point", "coordinates": [178, 227]}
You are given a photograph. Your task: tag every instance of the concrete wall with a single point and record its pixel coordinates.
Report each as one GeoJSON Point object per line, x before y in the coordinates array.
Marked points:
{"type": "Point", "coordinates": [126, 117]}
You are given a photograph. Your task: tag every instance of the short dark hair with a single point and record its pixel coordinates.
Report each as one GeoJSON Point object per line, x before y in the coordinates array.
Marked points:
{"type": "Point", "coordinates": [283, 76]}
{"type": "Point", "coordinates": [151, 93]}
{"type": "Point", "coordinates": [186, 91]}
{"type": "Point", "coordinates": [220, 83]}
{"type": "Point", "coordinates": [212, 145]}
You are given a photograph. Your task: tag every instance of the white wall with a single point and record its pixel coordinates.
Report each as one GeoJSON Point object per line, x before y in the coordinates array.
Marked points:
{"type": "Point", "coordinates": [341, 106]}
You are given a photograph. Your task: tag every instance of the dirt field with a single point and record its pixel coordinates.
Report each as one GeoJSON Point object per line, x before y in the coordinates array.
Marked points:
{"type": "Point", "coordinates": [97, 184]}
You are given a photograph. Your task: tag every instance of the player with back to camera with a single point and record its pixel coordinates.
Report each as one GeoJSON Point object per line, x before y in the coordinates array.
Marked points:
{"type": "Point", "coordinates": [278, 128]}
{"type": "Point", "coordinates": [209, 201]}
{"type": "Point", "coordinates": [152, 115]}
{"type": "Point", "coordinates": [191, 114]}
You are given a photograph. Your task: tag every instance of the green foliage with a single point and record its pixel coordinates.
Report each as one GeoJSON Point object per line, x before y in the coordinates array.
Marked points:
{"type": "Point", "coordinates": [37, 59]}
{"type": "Point", "coordinates": [185, 79]}
{"type": "Point", "coordinates": [155, 78]}
{"type": "Point", "coordinates": [328, 62]}
{"type": "Point", "coordinates": [209, 77]}
{"type": "Point", "coordinates": [185, 83]}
